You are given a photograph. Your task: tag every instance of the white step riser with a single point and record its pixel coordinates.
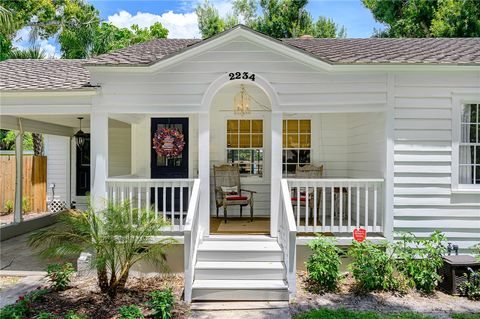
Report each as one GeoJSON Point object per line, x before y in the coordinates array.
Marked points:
{"type": "Point", "coordinates": [243, 274]}
{"type": "Point", "coordinates": [240, 238]}
{"type": "Point", "coordinates": [239, 256]}
{"type": "Point", "coordinates": [239, 294]}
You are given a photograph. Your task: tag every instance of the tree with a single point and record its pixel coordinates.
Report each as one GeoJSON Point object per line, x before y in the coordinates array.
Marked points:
{"type": "Point", "coordinates": [278, 19]}
{"type": "Point", "coordinates": [7, 140]}
{"type": "Point", "coordinates": [118, 238]}
{"type": "Point", "coordinates": [30, 53]}
{"type": "Point", "coordinates": [209, 21]}
{"type": "Point", "coordinates": [426, 18]}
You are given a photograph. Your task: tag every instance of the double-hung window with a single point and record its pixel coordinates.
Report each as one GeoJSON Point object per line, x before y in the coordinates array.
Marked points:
{"type": "Point", "coordinates": [469, 146]}
{"type": "Point", "coordinates": [297, 138]}
{"type": "Point", "coordinates": [245, 145]}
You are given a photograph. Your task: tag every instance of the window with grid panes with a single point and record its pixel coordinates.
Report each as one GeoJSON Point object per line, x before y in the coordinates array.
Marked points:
{"type": "Point", "coordinates": [297, 138]}
{"type": "Point", "coordinates": [469, 146]}
{"type": "Point", "coordinates": [245, 145]}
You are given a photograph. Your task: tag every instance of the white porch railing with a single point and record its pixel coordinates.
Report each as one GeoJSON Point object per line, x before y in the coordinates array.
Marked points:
{"type": "Point", "coordinates": [166, 198]}
{"type": "Point", "coordinates": [287, 236]}
{"type": "Point", "coordinates": [337, 205]}
{"type": "Point", "coordinates": [193, 234]}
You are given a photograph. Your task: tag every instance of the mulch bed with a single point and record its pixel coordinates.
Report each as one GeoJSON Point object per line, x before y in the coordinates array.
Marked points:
{"type": "Point", "coordinates": [438, 304]}
{"type": "Point", "coordinates": [84, 297]}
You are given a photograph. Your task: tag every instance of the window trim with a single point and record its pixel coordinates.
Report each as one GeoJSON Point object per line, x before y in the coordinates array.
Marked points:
{"type": "Point", "coordinates": [251, 178]}
{"type": "Point", "coordinates": [458, 100]}
{"type": "Point", "coordinates": [296, 118]}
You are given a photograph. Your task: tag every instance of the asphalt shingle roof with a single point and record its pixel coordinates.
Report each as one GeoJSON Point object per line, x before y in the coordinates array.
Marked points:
{"type": "Point", "coordinates": [71, 74]}
{"type": "Point", "coordinates": [43, 75]}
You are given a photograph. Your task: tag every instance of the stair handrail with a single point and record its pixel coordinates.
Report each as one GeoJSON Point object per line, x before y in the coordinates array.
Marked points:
{"type": "Point", "coordinates": [287, 236]}
{"type": "Point", "coordinates": [193, 233]}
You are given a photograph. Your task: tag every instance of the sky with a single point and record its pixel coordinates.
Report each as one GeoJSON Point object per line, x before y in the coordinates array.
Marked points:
{"type": "Point", "coordinates": [180, 19]}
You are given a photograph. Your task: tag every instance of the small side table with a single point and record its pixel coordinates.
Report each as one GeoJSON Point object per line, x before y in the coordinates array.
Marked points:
{"type": "Point", "coordinates": [453, 270]}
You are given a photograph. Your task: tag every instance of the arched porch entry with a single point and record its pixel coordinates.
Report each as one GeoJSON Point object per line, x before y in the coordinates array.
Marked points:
{"type": "Point", "coordinates": [252, 140]}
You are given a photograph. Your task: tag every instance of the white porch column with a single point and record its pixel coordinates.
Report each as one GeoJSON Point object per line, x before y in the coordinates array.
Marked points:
{"type": "Point", "coordinates": [18, 213]}
{"type": "Point", "coordinates": [389, 159]}
{"type": "Point", "coordinates": [276, 170]}
{"type": "Point", "coordinates": [98, 158]}
{"type": "Point", "coordinates": [204, 169]}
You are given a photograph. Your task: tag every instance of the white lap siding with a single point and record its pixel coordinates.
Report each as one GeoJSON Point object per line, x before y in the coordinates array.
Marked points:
{"type": "Point", "coordinates": [423, 198]}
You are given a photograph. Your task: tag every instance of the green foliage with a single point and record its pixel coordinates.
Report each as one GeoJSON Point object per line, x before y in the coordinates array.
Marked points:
{"type": "Point", "coordinates": [323, 265]}
{"type": "Point", "coordinates": [25, 204]}
{"type": "Point", "coordinates": [427, 18]}
{"type": "Point", "coordinates": [278, 19]}
{"type": "Point", "coordinates": [476, 251]}
{"type": "Point", "coordinates": [8, 206]}
{"type": "Point", "coordinates": [325, 313]}
{"type": "Point", "coordinates": [31, 53]}
{"type": "Point", "coordinates": [23, 306]}
{"type": "Point", "coordinates": [162, 302]}
{"type": "Point", "coordinates": [130, 312]}
{"type": "Point", "coordinates": [118, 237]}
{"type": "Point", "coordinates": [7, 140]}
{"type": "Point", "coordinates": [373, 266]}
{"type": "Point", "coordinates": [465, 316]}
{"type": "Point", "coordinates": [72, 315]}
{"type": "Point", "coordinates": [418, 259]}
{"type": "Point", "coordinates": [59, 275]}
{"type": "Point", "coordinates": [471, 286]}
{"type": "Point", "coordinates": [46, 315]}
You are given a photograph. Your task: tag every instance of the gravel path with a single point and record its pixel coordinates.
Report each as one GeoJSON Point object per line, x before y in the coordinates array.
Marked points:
{"type": "Point", "coordinates": [439, 305]}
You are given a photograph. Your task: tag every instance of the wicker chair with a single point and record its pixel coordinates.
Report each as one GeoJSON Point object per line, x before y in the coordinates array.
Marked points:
{"type": "Point", "coordinates": [306, 171]}
{"type": "Point", "coordinates": [228, 190]}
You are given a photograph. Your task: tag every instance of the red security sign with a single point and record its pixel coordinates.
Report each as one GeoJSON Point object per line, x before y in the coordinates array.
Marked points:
{"type": "Point", "coordinates": [359, 234]}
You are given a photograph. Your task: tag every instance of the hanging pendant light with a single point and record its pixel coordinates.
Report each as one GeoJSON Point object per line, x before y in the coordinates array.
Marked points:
{"type": "Point", "coordinates": [80, 136]}
{"type": "Point", "coordinates": [241, 102]}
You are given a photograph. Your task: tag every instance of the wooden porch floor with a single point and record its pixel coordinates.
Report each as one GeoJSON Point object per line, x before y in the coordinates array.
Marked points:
{"type": "Point", "coordinates": [237, 225]}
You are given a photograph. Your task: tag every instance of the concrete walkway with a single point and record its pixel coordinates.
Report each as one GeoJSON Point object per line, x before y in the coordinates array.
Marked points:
{"type": "Point", "coordinates": [240, 310]}
{"type": "Point", "coordinates": [29, 282]}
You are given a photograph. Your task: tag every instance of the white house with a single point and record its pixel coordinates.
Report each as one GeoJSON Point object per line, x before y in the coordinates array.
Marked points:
{"type": "Point", "coordinates": [394, 122]}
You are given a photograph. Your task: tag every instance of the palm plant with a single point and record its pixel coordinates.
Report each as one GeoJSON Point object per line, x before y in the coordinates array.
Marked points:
{"type": "Point", "coordinates": [30, 53]}
{"type": "Point", "coordinates": [118, 237]}
{"type": "Point", "coordinates": [8, 24]}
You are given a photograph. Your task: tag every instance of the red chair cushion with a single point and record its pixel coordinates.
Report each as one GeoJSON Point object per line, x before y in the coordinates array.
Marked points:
{"type": "Point", "coordinates": [302, 199]}
{"type": "Point", "coordinates": [237, 197]}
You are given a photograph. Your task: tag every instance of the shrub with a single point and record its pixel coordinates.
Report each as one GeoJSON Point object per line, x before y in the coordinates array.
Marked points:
{"type": "Point", "coordinates": [476, 251]}
{"type": "Point", "coordinates": [162, 302]}
{"type": "Point", "coordinates": [59, 275]}
{"type": "Point", "coordinates": [373, 266]}
{"type": "Point", "coordinates": [118, 237]}
{"type": "Point", "coordinates": [323, 265]}
{"type": "Point", "coordinates": [9, 205]}
{"type": "Point", "coordinates": [130, 312]}
{"type": "Point", "coordinates": [471, 286]}
{"type": "Point", "coordinates": [419, 259]}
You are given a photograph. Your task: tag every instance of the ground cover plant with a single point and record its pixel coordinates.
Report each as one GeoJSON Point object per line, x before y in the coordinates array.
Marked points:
{"type": "Point", "coordinates": [162, 302]}
{"type": "Point", "coordinates": [118, 237]}
{"type": "Point", "coordinates": [130, 312]}
{"type": "Point", "coordinates": [325, 313]}
{"type": "Point", "coordinates": [323, 265]}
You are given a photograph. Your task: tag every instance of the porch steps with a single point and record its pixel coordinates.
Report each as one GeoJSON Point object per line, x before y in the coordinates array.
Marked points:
{"type": "Point", "coordinates": [239, 268]}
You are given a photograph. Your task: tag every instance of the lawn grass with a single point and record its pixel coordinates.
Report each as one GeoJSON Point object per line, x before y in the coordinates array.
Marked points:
{"type": "Point", "coordinates": [325, 313]}
{"type": "Point", "coordinates": [466, 316]}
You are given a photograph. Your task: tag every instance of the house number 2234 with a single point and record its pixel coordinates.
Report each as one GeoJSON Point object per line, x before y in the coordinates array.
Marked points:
{"type": "Point", "coordinates": [241, 76]}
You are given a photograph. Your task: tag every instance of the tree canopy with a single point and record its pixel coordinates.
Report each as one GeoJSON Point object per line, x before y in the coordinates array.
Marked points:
{"type": "Point", "coordinates": [426, 18]}
{"type": "Point", "coordinates": [75, 23]}
{"type": "Point", "coordinates": [277, 18]}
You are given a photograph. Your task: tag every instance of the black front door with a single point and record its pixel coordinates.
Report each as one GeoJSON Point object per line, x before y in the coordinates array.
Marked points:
{"type": "Point", "coordinates": [174, 167]}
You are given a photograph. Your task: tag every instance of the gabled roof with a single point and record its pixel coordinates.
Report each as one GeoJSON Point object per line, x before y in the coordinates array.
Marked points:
{"type": "Point", "coordinates": [72, 75]}
{"type": "Point", "coordinates": [454, 51]}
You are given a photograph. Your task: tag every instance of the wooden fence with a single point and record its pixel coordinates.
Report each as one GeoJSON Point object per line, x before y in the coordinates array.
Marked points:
{"type": "Point", "coordinates": [34, 182]}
